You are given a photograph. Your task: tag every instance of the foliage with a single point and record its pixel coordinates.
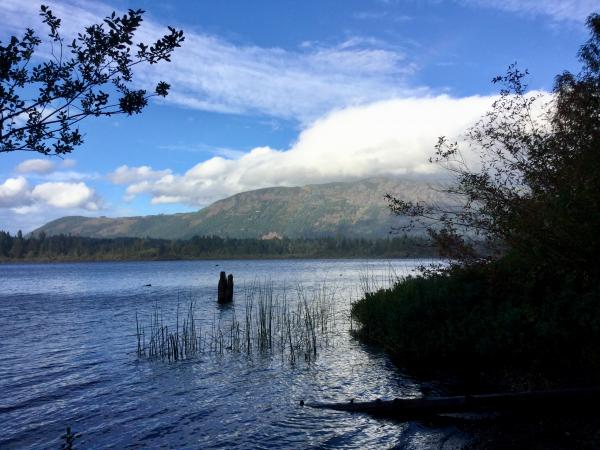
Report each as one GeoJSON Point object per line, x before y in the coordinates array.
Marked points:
{"type": "Point", "coordinates": [534, 301]}
{"type": "Point", "coordinates": [537, 188]}
{"type": "Point", "coordinates": [483, 316]}
{"type": "Point", "coordinates": [41, 105]}
{"type": "Point", "coordinates": [76, 248]}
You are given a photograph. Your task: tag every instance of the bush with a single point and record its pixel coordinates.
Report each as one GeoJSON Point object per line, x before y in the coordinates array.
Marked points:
{"type": "Point", "coordinates": [493, 316]}
{"type": "Point", "coordinates": [531, 301]}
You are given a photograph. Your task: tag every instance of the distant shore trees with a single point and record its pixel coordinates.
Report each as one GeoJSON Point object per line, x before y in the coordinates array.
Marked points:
{"type": "Point", "coordinates": [47, 248]}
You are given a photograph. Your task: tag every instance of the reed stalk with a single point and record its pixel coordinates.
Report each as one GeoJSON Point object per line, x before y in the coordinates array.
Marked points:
{"type": "Point", "coordinates": [272, 324]}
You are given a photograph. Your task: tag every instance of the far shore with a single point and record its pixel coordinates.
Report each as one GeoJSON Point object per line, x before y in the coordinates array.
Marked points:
{"type": "Point", "coordinates": [26, 261]}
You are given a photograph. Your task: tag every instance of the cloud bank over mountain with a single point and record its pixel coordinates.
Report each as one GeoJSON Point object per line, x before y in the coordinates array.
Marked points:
{"type": "Point", "coordinates": [353, 102]}
{"type": "Point", "coordinates": [393, 137]}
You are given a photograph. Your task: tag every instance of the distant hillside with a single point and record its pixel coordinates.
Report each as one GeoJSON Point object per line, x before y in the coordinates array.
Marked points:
{"type": "Point", "coordinates": [354, 209]}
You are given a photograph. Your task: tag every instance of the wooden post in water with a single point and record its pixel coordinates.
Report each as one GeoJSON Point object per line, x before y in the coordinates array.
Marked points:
{"type": "Point", "coordinates": [230, 287]}
{"type": "Point", "coordinates": [225, 288]}
{"type": "Point", "coordinates": [222, 289]}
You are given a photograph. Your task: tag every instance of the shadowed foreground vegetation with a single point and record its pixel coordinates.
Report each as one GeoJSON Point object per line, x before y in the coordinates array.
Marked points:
{"type": "Point", "coordinates": [76, 248]}
{"type": "Point", "coordinates": [529, 310]}
{"type": "Point", "coordinates": [495, 321]}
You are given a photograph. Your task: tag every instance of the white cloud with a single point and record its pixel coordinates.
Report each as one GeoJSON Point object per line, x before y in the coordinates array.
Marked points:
{"type": "Point", "coordinates": [384, 138]}
{"type": "Point", "coordinates": [559, 10]}
{"type": "Point", "coordinates": [52, 171]}
{"type": "Point", "coordinates": [14, 192]}
{"type": "Point", "coordinates": [39, 166]}
{"type": "Point", "coordinates": [25, 205]}
{"type": "Point", "coordinates": [18, 196]}
{"type": "Point", "coordinates": [71, 175]}
{"type": "Point", "coordinates": [127, 175]}
{"type": "Point", "coordinates": [44, 169]}
{"type": "Point", "coordinates": [210, 73]}
{"type": "Point", "coordinates": [69, 163]}
{"type": "Point", "coordinates": [66, 195]}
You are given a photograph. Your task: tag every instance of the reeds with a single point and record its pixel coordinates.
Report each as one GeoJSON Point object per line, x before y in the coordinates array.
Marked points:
{"type": "Point", "coordinates": [371, 281]}
{"type": "Point", "coordinates": [273, 324]}
{"type": "Point", "coordinates": [174, 345]}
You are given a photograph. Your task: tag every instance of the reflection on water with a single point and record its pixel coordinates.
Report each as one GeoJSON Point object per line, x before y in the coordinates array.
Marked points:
{"type": "Point", "coordinates": [68, 357]}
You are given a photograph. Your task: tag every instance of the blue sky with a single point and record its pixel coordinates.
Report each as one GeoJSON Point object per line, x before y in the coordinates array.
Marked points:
{"type": "Point", "coordinates": [286, 93]}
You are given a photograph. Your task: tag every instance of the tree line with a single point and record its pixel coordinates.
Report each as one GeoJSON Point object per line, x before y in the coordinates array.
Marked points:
{"type": "Point", "coordinates": [42, 247]}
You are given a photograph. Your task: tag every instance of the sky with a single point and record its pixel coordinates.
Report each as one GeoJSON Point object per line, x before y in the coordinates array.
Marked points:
{"type": "Point", "coordinates": [284, 93]}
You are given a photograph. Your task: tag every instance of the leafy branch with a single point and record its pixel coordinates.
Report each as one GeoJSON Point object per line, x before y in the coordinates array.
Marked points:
{"type": "Point", "coordinates": [91, 76]}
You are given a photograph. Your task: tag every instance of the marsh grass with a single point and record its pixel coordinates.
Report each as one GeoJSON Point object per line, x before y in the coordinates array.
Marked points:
{"type": "Point", "coordinates": [372, 281]}
{"type": "Point", "coordinates": [291, 325]}
{"type": "Point", "coordinates": [179, 342]}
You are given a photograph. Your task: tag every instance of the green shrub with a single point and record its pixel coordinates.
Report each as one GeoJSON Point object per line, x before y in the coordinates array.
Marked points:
{"type": "Point", "coordinates": [488, 316]}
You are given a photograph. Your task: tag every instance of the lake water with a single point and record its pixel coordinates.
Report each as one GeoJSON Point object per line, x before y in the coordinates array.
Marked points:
{"type": "Point", "coordinates": [68, 358]}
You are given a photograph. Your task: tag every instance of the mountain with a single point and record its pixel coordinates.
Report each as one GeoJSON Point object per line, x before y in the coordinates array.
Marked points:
{"type": "Point", "coordinates": [354, 209]}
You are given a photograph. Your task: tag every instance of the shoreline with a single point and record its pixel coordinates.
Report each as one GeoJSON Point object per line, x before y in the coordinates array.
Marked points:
{"type": "Point", "coordinates": [221, 258]}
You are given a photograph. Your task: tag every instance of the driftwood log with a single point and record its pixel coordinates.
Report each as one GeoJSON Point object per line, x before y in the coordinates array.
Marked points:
{"type": "Point", "coordinates": [225, 288]}
{"type": "Point", "coordinates": [566, 400]}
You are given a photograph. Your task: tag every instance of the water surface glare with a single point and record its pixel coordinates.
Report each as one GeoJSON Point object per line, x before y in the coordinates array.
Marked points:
{"type": "Point", "coordinates": [67, 334]}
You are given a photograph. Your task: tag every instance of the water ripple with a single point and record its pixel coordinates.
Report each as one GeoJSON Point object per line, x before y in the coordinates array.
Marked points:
{"type": "Point", "coordinates": [67, 333]}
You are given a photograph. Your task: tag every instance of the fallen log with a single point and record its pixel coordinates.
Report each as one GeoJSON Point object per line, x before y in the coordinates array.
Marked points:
{"type": "Point", "coordinates": [409, 408]}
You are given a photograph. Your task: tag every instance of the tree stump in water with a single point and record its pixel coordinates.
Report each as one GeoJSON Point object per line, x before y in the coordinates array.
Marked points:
{"type": "Point", "coordinates": [230, 287]}
{"type": "Point", "coordinates": [222, 289]}
{"type": "Point", "coordinates": [225, 288]}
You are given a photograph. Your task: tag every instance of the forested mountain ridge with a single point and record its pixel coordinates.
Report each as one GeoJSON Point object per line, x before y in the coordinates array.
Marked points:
{"type": "Point", "coordinates": [352, 209]}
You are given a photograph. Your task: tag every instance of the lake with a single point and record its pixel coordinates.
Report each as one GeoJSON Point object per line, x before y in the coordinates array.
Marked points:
{"type": "Point", "coordinates": [68, 358]}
